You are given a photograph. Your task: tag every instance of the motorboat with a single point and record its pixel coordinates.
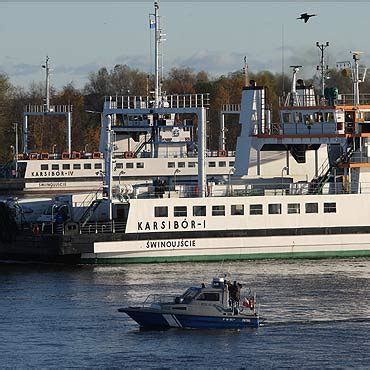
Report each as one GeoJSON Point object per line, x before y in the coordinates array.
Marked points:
{"type": "Point", "coordinates": [217, 306]}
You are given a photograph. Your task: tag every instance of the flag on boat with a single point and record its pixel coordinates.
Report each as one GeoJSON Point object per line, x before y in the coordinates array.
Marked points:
{"type": "Point", "coordinates": [151, 23]}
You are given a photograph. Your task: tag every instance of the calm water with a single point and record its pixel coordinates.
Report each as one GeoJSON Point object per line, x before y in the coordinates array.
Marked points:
{"type": "Point", "coordinates": [318, 315]}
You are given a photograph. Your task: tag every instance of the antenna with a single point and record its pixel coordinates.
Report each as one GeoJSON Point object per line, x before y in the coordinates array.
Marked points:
{"type": "Point", "coordinates": [47, 70]}
{"type": "Point", "coordinates": [322, 68]}
{"type": "Point", "coordinates": [245, 72]}
{"type": "Point", "coordinates": [158, 59]}
{"type": "Point", "coordinates": [355, 75]}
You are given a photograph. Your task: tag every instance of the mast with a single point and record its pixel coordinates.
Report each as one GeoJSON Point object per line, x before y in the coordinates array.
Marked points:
{"type": "Point", "coordinates": [294, 99]}
{"type": "Point", "coordinates": [322, 68]}
{"type": "Point", "coordinates": [47, 87]}
{"type": "Point", "coordinates": [157, 39]}
{"type": "Point", "coordinates": [355, 77]}
{"type": "Point", "coordinates": [245, 72]}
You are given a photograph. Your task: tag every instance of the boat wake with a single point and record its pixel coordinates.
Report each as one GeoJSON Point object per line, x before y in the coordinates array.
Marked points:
{"type": "Point", "coordinates": [266, 323]}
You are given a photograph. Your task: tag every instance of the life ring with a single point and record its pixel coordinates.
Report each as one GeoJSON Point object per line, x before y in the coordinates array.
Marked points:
{"type": "Point", "coordinates": [221, 153]}
{"type": "Point", "coordinates": [97, 155]}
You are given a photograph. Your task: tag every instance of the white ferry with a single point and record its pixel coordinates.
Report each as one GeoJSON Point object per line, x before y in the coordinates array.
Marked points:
{"type": "Point", "coordinates": [315, 207]}
{"type": "Point", "coordinates": [148, 143]}
{"type": "Point", "coordinates": [249, 217]}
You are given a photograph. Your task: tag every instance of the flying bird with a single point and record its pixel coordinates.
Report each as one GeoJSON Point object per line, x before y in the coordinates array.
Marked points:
{"type": "Point", "coordinates": [306, 17]}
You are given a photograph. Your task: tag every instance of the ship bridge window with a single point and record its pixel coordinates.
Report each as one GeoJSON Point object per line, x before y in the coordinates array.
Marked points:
{"type": "Point", "coordinates": [286, 117]}
{"type": "Point", "coordinates": [212, 164]}
{"type": "Point", "coordinates": [119, 166]}
{"type": "Point", "coordinates": [237, 210]}
{"type": "Point", "coordinates": [275, 209]}
{"type": "Point", "coordinates": [255, 209]}
{"type": "Point", "coordinates": [44, 167]}
{"type": "Point", "coordinates": [366, 116]}
{"type": "Point", "coordinates": [329, 116]}
{"type": "Point", "coordinates": [199, 211]}
{"type": "Point", "coordinates": [210, 297]}
{"type": "Point", "coordinates": [55, 167]}
{"type": "Point", "coordinates": [140, 165]}
{"type": "Point", "coordinates": [294, 208]}
{"type": "Point", "coordinates": [66, 166]}
{"type": "Point", "coordinates": [181, 164]}
{"type": "Point", "coordinates": [160, 211]}
{"type": "Point", "coordinates": [129, 165]}
{"type": "Point", "coordinates": [87, 166]}
{"type": "Point", "coordinates": [98, 166]}
{"type": "Point", "coordinates": [171, 164]}
{"type": "Point", "coordinates": [180, 211]}
{"type": "Point", "coordinates": [318, 117]}
{"type": "Point", "coordinates": [222, 164]}
{"type": "Point", "coordinates": [297, 117]}
{"type": "Point", "coordinates": [191, 164]}
{"type": "Point", "coordinates": [312, 208]}
{"type": "Point", "coordinates": [308, 119]}
{"type": "Point", "coordinates": [231, 164]}
{"type": "Point", "coordinates": [76, 166]}
{"type": "Point", "coordinates": [330, 208]}
{"type": "Point", "coordinates": [218, 210]}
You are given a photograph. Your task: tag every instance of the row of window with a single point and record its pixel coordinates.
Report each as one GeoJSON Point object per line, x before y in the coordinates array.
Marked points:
{"type": "Point", "coordinates": [211, 164]}
{"type": "Point", "coordinates": [69, 166]}
{"type": "Point", "coordinates": [307, 118]}
{"type": "Point", "coordinates": [98, 166]}
{"type": "Point", "coordinates": [238, 209]}
{"type": "Point", "coordinates": [86, 166]}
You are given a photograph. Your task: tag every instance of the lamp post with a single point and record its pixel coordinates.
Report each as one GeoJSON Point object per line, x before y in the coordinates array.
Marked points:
{"type": "Point", "coordinates": [232, 169]}
{"type": "Point", "coordinates": [286, 169]}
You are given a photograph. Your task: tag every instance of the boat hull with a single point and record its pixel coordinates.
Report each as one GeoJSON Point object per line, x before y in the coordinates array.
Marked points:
{"type": "Point", "coordinates": [157, 319]}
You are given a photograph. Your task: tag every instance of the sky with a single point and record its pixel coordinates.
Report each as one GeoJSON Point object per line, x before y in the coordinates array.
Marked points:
{"type": "Point", "coordinates": [81, 37]}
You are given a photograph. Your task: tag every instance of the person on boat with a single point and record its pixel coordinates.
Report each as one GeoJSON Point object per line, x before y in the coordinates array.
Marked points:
{"type": "Point", "coordinates": [237, 288]}
{"type": "Point", "coordinates": [232, 293]}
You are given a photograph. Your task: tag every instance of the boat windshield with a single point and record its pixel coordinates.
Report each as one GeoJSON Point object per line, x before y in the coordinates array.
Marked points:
{"type": "Point", "coordinates": [188, 296]}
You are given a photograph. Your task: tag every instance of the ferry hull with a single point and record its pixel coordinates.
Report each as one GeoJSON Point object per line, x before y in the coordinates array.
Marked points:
{"type": "Point", "coordinates": [230, 248]}
{"type": "Point", "coordinates": [151, 319]}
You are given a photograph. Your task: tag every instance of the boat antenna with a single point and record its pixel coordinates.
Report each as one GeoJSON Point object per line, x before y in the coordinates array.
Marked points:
{"type": "Point", "coordinates": [322, 67]}
{"type": "Point", "coordinates": [47, 87]}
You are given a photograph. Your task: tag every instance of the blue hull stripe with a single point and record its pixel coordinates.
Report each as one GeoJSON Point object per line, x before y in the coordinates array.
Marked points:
{"type": "Point", "coordinates": [160, 320]}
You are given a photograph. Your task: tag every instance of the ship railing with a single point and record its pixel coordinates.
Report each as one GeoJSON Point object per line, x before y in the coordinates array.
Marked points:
{"type": "Point", "coordinates": [98, 227]}
{"type": "Point", "coordinates": [167, 101]}
{"type": "Point", "coordinates": [86, 202]}
{"type": "Point", "coordinates": [348, 99]}
{"type": "Point", "coordinates": [336, 184]}
{"type": "Point", "coordinates": [101, 227]}
{"type": "Point", "coordinates": [153, 299]}
{"type": "Point", "coordinates": [42, 108]}
{"type": "Point", "coordinates": [300, 100]}
{"type": "Point", "coordinates": [230, 108]}
{"type": "Point", "coordinates": [359, 158]}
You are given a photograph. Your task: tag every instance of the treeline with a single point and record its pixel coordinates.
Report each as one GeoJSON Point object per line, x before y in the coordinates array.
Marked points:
{"type": "Point", "coordinates": [49, 135]}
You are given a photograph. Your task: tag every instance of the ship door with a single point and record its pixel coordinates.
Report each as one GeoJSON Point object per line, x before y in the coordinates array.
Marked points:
{"type": "Point", "coordinates": [122, 212]}
{"type": "Point", "coordinates": [349, 121]}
